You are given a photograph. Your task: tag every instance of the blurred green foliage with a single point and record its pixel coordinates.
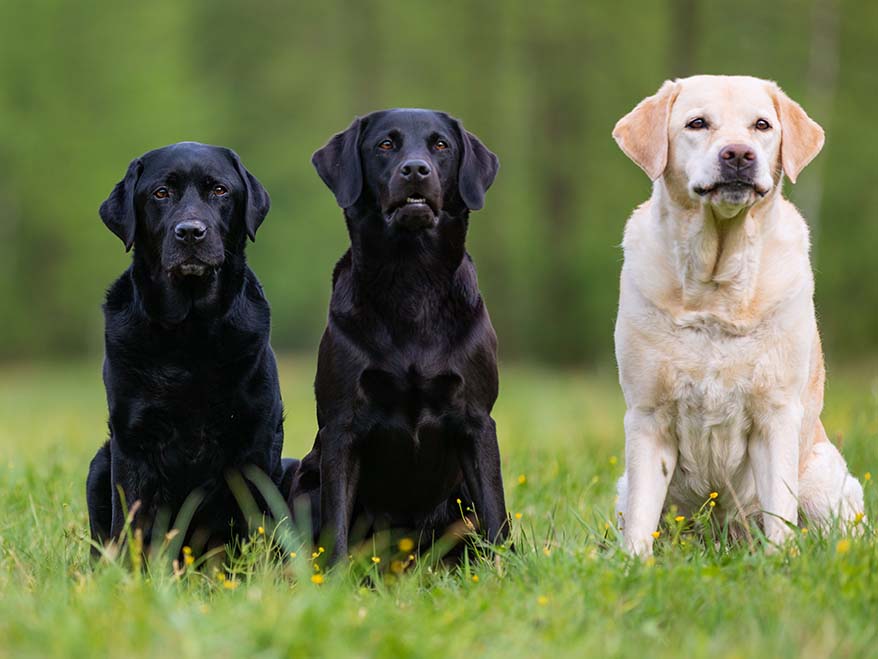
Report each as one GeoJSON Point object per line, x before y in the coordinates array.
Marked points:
{"type": "Point", "coordinates": [85, 87]}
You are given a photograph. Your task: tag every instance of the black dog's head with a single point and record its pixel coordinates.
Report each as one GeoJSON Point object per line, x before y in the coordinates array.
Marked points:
{"type": "Point", "coordinates": [186, 207]}
{"type": "Point", "coordinates": [410, 164]}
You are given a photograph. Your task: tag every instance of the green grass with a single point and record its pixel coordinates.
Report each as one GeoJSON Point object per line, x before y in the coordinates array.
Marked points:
{"type": "Point", "coordinates": [566, 591]}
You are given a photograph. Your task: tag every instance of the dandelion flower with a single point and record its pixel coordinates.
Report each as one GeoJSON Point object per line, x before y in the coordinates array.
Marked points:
{"type": "Point", "coordinates": [714, 495]}
{"type": "Point", "coordinates": [867, 476]}
{"type": "Point", "coordinates": [475, 578]}
{"type": "Point", "coordinates": [805, 531]}
{"type": "Point", "coordinates": [317, 578]}
{"type": "Point", "coordinates": [220, 576]}
{"type": "Point", "coordinates": [188, 559]}
{"type": "Point", "coordinates": [679, 518]}
{"type": "Point", "coordinates": [261, 530]}
{"type": "Point", "coordinates": [547, 551]}
{"type": "Point", "coordinates": [522, 479]}
{"type": "Point", "coordinates": [406, 545]}
{"type": "Point", "coordinates": [397, 567]}
{"type": "Point", "coordinates": [376, 559]}
{"type": "Point", "coordinates": [542, 600]}
{"type": "Point", "coordinates": [517, 515]}
{"type": "Point", "coordinates": [292, 554]}
{"type": "Point", "coordinates": [187, 551]}
{"type": "Point", "coordinates": [320, 550]}
{"type": "Point", "coordinates": [230, 584]}
{"type": "Point", "coordinates": [859, 517]}
{"type": "Point", "coordinates": [656, 534]}
{"type": "Point", "coordinates": [843, 546]}
{"type": "Point", "coordinates": [613, 459]}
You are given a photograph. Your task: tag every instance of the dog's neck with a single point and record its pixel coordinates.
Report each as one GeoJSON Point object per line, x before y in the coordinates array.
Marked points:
{"type": "Point", "coordinates": [173, 306]}
{"type": "Point", "coordinates": [408, 264]}
{"type": "Point", "coordinates": [715, 263]}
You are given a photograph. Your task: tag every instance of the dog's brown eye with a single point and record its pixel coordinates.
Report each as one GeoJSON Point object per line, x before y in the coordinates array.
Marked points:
{"type": "Point", "coordinates": [761, 124]}
{"type": "Point", "coordinates": [220, 190]}
{"type": "Point", "coordinates": [386, 145]}
{"type": "Point", "coordinates": [440, 145]}
{"type": "Point", "coordinates": [697, 124]}
{"type": "Point", "coordinates": [161, 193]}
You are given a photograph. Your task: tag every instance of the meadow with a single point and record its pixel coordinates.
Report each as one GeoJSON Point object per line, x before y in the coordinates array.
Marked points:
{"type": "Point", "coordinates": [567, 590]}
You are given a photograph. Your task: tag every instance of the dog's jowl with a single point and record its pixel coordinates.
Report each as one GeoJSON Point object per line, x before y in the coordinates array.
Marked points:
{"type": "Point", "coordinates": [716, 338]}
{"type": "Point", "coordinates": [191, 380]}
{"type": "Point", "coordinates": [407, 369]}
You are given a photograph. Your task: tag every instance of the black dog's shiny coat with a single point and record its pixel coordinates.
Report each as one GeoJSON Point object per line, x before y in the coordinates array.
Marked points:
{"type": "Point", "coordinates": [191, 380]}
{"type": "Point", "coordinates": [407, 369]}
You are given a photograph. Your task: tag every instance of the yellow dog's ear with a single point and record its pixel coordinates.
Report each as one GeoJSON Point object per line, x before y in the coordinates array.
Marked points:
{"type": "Point", "coordinates": [801, 136]}
{"type": "Point", "coordinates": [643, 133]}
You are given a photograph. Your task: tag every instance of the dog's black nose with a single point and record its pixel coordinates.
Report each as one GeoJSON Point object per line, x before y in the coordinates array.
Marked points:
{"type": "Point", "coordinates": [415, 170]}
{"type": "Point", "coordinates": [737, 157]}
{"type": "Point", "coordinates": [190, 231]}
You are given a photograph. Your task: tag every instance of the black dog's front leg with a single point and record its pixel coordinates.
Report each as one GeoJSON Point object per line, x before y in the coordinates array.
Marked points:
{"type": "Point", "coordinates": [481, 469]}
{"type": "Point", "coordinates": [339, 478]}
{"type": "Point", "coordinates": [138, 488]}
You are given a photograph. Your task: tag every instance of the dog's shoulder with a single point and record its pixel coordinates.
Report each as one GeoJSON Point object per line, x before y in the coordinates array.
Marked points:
{"type": "Point", "coordinates": [343, 265]}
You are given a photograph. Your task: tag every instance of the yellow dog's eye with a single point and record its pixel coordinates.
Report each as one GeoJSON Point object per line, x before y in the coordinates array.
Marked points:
{"type": "Point", "coordinates": [697, 124]}
{"type": "Point", "coordinates": [440, 145]}
{"type": "Point", "coordinates": [386, 145]}
{"type": "Point", "coordinates": [220, 190]}
{"type": "Point", "coordinates": [161, 193]}
{"type": "Point", "coordinates": [761, 124]}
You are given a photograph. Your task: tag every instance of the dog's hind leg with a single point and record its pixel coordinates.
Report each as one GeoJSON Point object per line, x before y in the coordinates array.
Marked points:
{"type": "Point", "coordinates": [827, 490]}
{"type": "Point", "coordinates": [99, 496]}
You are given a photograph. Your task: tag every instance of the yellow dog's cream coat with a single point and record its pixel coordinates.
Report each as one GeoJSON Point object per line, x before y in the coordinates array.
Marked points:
{"type": "Point", "coordinates": [716, 339]}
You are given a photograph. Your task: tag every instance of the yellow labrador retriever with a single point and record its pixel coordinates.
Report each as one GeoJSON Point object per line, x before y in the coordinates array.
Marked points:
{"type": "Point", "coordinates": [716, 339]}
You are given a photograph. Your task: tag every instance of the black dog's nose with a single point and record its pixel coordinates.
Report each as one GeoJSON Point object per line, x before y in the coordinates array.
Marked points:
{"type": "Point", "coordinates": [190, 231]}
{"type": "Point", "coordinates": [415, 170]}
{"type": "Point", "coordinates": [737, 156]}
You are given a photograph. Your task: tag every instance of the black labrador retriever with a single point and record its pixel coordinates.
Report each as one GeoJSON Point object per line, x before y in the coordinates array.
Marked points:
{"type": "Point", "coordinates": [191, 379]}
{"type": "Point", "coordinates": [407, 368]}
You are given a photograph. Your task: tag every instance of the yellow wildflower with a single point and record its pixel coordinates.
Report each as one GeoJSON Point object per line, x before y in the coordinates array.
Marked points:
{"type": "Point", "coordinates": [187, 551]}
{"type": "Point", "coordinates": [656, 534]}
{"type": "Point", "coordinates": [188, 559]}
{"type": "Point", "coordinates": [679, 518]}
{"type": "Point", "coordinates": [230, 584]}
{"type": "Point", "coordinates": [613, 459]}
{"type": "Point", "coordinates": [522, 479]}
{"type": "Point", "coordinates": [713, 504]}
{"type": "Point", "coordinates": [714, 495]}
{"type": "Point", "coordinates": [317, 578]}
{"type": "Point", "coordinates": [261, 530]}
{"type": "Point", "coordinates": [475, 578]}
{"type": "Point", "coordinates": [867, 476]}
{"type": "Point", "coordinates": [805, 531]}
{"type": "Point", "coordinates": [292, 554]}
{"type": "Point", "coordinates": [843, 546]}
{"type": "Point", "coordinates": [406, 544]}
{"type": "Point", "coordinates": [859, 517]}
{"type": "Point", "coordinates": [376, 559]}
{"type": "Point", "coordinates": [517, 515]}
{"type": "Point", "coordinates": [542, 600]}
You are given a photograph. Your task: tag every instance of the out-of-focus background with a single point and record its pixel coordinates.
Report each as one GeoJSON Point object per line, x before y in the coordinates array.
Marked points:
{"type": "Point", "coordinates": [86, 87]}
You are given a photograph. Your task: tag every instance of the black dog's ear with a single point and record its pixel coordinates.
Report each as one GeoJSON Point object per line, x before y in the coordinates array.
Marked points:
{"type": "Point", "coordinates": [478, 167]}
{"type": "Point", "coordinates": [118, 211]}
{"type": "Point", "coordinates": [338, 164]}
{"type": "Point", "coordinates": [257, 204]}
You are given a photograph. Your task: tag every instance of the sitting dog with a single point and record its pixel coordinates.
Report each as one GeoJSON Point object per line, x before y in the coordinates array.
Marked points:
{"type": "Point", "coordinates": [407, 368]}
{"type": "Point", "coordinates": [716, 339]}
{"type": "Point", "coordinates": [191, 379]}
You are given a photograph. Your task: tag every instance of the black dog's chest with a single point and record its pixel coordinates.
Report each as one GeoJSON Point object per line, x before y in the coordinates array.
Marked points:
{"type": "Point", "coordinates": [412, 395]}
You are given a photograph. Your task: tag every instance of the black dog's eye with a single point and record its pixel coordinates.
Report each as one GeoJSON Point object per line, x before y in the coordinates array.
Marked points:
{"type": "Point", "coordinates": [386, 145]}
{"type": "Point", "coordinates": [161, 193]}
{"type": "Point", "coordinates": [440, 145]}
{"type": "Point", "coordinates": [761, 124]}
{"type": "Point", "coordinates": [220, 190]}
{"type": "Point", "coordinates": [697, 124]}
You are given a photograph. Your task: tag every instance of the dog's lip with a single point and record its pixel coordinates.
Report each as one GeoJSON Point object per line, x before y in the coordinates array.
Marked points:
{"type": "Point", "coordinates": [192, 268]}
{"type": "Point", "coordinates": [701, 191]}
{"type": "Point", "coordinates": [414, 202]}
